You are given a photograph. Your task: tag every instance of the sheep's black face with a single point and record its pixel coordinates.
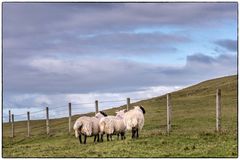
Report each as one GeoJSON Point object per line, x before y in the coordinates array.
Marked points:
{"type": "Point", "coordinates": [143, 110]}
{"type": "Point", "coordinates": [105, 115]}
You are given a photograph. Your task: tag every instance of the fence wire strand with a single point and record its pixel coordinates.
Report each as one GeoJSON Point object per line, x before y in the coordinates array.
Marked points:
{"type": "Point", "coordinates": [74, 104]}
{"type": "Point", "coordinates": [37, 111]}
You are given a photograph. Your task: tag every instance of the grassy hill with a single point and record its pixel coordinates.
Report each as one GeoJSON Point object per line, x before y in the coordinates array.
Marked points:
{"type": "Point", "coordinates": [193, 129]}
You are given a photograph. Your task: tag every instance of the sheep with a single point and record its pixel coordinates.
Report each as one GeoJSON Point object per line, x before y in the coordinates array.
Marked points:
{"type": "Point", "coordinates": [134, 120]}
{"type": "Point", "coordinates": [88, 126]}
{"type": "Point", "coordinates": [119, 126]}
{"type": "Point", "coordinates": [113, 125]}
{"type": "Point", "coordinates": [106, 125]}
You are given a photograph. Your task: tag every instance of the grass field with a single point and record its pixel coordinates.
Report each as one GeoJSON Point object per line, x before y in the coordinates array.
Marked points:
{"type": "Point", "coordinates": [193, 129]}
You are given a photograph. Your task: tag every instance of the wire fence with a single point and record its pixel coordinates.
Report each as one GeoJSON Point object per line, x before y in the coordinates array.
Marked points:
{"type": "Point", "coordinates": [55, 118]}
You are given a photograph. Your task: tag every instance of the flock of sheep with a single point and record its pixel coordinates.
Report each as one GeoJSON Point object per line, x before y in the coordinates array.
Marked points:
{"type": "Point", "coordinates": [101, 124]}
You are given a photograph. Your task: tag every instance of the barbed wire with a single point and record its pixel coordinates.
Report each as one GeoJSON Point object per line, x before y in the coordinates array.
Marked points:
{"type": "Point", "coordinates": [85, 107]}
{"type": "Point", "coordinates": [73, 104]}
{"type": "Point", "coordinates": [50, 108]}
{"type": "Point", "coordinates": [19, 114]}
{"type": "Point", "coordinates": [60, 110]}
{"type": "Point", "coordinates": [58, 116]}
{"type": "Point", "coordinates": [112, 101]}
{"type": "Point", "coordinates": [37, 111]}
{"type": "Point", "coordinates": [139, 99]}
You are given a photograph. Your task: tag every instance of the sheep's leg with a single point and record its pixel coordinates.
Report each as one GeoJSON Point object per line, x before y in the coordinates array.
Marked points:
{"type": "Point", "coordinates": [107, 137]}
{"type": "Point", "coordinates": [97, 137]}
{"type": "Point", "coordinates": [137, 132]}
{"type": "Point", "coordinates": [117, 136]}
{"type": "Point", "coordinates": [80, 138]}
{"type": "Point", "coordinates": [111, 137]}
{"type": "Point", "coordinates": [122, 136]}
{"type": "Point", "coordinates": [133, 133]}
{"type": "Point", "coordinates": [102, 137]}
{"type": "Point", "coordinates": [85, 139]}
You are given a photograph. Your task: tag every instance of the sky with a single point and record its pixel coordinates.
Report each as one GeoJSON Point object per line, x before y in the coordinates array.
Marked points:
{"type": "Point", "coordinates": [56, 53]}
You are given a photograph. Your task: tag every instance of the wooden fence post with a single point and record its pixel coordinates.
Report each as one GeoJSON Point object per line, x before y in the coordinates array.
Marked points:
{"type": "Point", "coordinates": [9, 116]}
{"type": "Point", "coordinates": [9, 121]}
{"type": "Point", "coordinates": [169, 113]}
{"type": "Point", "coordinates": [70, 116]}
{"type": "Point", "coordinates": [128, 104]}
{"type": "Point", "coordinates": [47, 121]}
{"type": "Point", "coordinates": [28, 124]}
{"type": "Point", "coordinates": [96, 106]}
{"type": "Point", "coordinates": [218, 110]}
{"type": "Point", "coordinates": [13, 134]}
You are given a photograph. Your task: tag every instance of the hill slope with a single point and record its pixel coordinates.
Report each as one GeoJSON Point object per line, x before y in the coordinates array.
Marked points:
{"type": "Point", "coordinates": [193, 129]}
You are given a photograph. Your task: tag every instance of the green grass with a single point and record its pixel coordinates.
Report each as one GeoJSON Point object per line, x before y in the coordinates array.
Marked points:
{"type": "Point", "coordinates": [193, 129]}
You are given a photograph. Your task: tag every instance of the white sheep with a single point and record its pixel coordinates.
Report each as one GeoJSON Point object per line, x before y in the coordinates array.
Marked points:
{"type": "Point", "coordinates": [134, 120]}
{"type": "Point", "coordinates": [106, 125]}
{"type": "Point", "coordinates": [88, 126]}
{"type": "Point", "coordinates": [113, 125]}
{"type": "Point", "coordinates": [119, 126]}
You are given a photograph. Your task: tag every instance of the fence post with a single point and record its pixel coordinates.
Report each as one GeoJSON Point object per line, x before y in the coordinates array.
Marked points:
{"type": "Point", "coordinates": [47, 121]}
{"type": "Point", "coordinates": [13, 134]}
{"type": "Point", "coordinates": [218, 110]}
{"type": "Point", "coordinates": [70, 116]}
{"type": "Point", "coordinates": [169, 113]}
{"type": "Point", "coordinates": [9, 121]}
{"type": "Point", "coordinates": [9, 116]}
{"type": "Point", "coordinates": [128, 103]}
{"type": "Point", "coordinates": [96, 106]}
{"type": "Point", "coordinates": [28, 124]}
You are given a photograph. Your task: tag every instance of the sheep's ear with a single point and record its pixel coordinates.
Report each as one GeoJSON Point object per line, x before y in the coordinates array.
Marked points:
{"type": "Point", "coordinates": [105, 115]}
{"type": "Point", "coordinates": [124, 110]}
{"type": "Point", "coordinates": [143, 110]}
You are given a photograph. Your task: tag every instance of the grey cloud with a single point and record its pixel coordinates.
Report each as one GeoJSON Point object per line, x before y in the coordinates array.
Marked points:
{"type": "Point", "coordinates": [228, 44]}
{"type": "Point", "coordinates": [53, 29]}
{"type": "Point", "coordinates": [199, 58]}
{"type": "Point", "coordinates": [198, 67]}
{"type": "Point", "coordinates": [85, 18]}
{"type": "Point", "coordinates": [103, 44]}
{"type": "Point", "coordinates": [113, 75]}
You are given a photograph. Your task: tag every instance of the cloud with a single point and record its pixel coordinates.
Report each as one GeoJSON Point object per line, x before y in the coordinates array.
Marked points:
{"type": "Point", "coordinates": [112, 44]}
{"type": "Point", "coordinates": [55, 82]}
{"type": "Point", "coordinates": [65, 22]}
{"type": "Point", "coordinates": [94, 17]}
{"type": "Point", "coordinates": [110, 75]}
{"type": "Point", "coordinates": [228, 44]}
